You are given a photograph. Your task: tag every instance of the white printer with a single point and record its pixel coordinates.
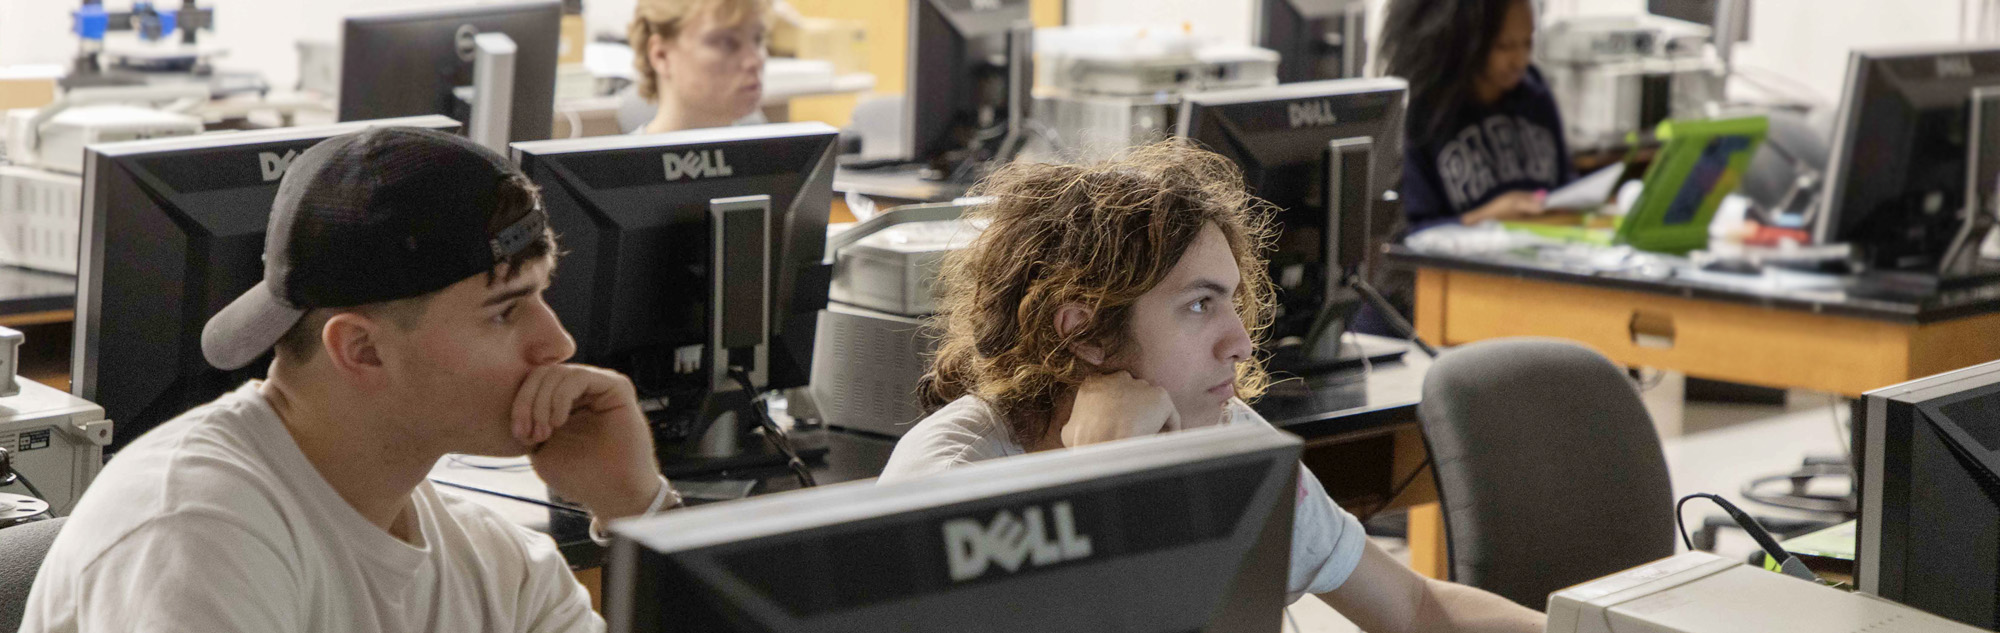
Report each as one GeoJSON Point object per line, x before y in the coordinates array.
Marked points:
{"type": "Point", "coordinates": [41, 183]}
{"type": "Point", "coordinates": [871, 347]}
{"type": "Point", "coordinates": [53, 137]}
{"type": "Point", "coordinates": [1102, 89]}
{"type": "Point", "coordinates": [54, 440]}
{"type": "Point", "coordinates": [1697, 592]}
{"type": "Point", "coordinates": [1616, 74]}
{"type": "Point", "coordinates": [57, 441]}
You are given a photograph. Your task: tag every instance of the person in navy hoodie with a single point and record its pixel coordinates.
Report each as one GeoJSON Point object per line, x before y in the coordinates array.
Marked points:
{"type": "Point", "coordinates": [1483, 138]}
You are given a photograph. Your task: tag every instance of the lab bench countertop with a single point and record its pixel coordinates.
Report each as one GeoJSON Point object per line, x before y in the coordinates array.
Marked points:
{"type": "Point", "coordinates": [511, 488]}
{"type": "Point", "coordinates": [1872, 297]}
{"type": "Point", "coordinates": [24, 291]}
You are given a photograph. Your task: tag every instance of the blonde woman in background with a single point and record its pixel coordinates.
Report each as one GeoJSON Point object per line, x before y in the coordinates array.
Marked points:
{"type": "Point", "coordinates": [700, 61]}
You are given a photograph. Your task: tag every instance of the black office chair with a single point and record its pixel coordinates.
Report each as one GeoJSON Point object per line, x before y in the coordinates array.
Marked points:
{"type": "Point", "coordinates": [1548, 468]}
{"type": "Point", "coordinates": [22, 548]}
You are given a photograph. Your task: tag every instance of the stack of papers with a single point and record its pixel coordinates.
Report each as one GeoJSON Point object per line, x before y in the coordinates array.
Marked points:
{"type": "Point", "coordinates": [1587, 193]}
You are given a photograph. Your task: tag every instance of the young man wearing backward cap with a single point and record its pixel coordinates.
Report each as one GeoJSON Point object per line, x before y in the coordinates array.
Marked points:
{"type": "Point", "coordinates": [402, 291]}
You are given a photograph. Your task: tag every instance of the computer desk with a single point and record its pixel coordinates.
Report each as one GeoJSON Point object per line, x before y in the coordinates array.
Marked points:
{"type": "Point", "coordinates": [514, 493]}
{"type": "Point", "coordinates": [1848, 340]}
{"type": "Point", "coordinates": [1856, 337]}
{"type": "Point", "coordinates": [895, 185]}
{"type": "Point", "coordinates": [42, 306]}
{"type": "Point", "coordinates": [33, 297]}
{"type": "Point", "coordinates": [1359, 429]}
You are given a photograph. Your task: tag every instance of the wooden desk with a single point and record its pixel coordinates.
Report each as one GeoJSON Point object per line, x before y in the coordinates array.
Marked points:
{"type": "Point", "coordinates": [1851, 339]}
{"type": "Point", "coordinates": [1861, 335]}
{"type": "Point", "coordinates": [895, 185]}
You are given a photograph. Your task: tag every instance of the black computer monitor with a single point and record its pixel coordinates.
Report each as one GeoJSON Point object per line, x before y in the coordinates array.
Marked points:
{"type": "Point", "coordinates": [1897, 184]}
{"type": "Point", "coordinates": [1187, 531]}
{"type": "Point", "coordinates": [173, 230]}
{"type": "Point", "coordinates": [632, 215]}
{"type": "Point", "coordinates": [1705, 12]}
{"type": "Point", "coordinates": [955, 109]}
{"type": "Point", "coordinates": [1287, 139]}
{"type": "Point", "coordinates": [1316, 39]}
{"type": "Point", "coordinates": [1928, 455]}
{"type": "Point", "coordinates": [409, 63]}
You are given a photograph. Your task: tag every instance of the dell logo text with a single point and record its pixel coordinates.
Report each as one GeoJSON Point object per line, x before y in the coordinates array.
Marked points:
{"type": "Point", "coordinates": [697, 164]}
{"type": "Point", "coordinates": [1311, 114]}
{"type": "Point", "coordinates": [1011, 540]}
{"type": "Point", "coordinates": [273, 165]}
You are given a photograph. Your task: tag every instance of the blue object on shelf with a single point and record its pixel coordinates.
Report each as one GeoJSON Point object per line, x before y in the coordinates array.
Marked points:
{"type": "Point", "coordinates": [91, 22]}
{"type": "Point", "coordinates": [167, 21]}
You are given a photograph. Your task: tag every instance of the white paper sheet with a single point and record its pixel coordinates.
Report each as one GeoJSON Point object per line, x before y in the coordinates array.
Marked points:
{"type": "Point", "coordinates": [1586, 193]}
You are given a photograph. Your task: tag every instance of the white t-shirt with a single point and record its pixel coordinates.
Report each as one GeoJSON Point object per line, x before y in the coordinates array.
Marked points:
{"type": "Point", "coordinates": [215, 522]}
{"type": "Point", "coordinates": [1326, 541]}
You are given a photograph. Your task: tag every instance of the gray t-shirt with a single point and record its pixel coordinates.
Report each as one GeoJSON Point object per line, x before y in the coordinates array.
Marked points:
{"type": "Point", "coordinates": [216, 521]}
{"type": "Point", "coordinates": [1326, 541]}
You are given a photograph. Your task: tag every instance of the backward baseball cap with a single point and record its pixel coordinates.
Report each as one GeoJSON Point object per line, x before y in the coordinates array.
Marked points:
{"type": "Point", "coordinates": [378, 215]}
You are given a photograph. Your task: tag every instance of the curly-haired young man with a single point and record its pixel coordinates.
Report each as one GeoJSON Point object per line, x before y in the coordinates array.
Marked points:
{"type": "Point", "coordinates": [1124, 299]}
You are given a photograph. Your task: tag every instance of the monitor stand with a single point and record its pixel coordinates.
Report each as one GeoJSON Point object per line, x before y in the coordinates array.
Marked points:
{"type": "Point", "coordinates": [1327, 350]}
{"type": "Point", "coordinates": [722, 437]}
{"type": "Point", "coordinates": [719, 437]}
{"type": "Point", "coordinates": [683, 457]}
{"type": "Point", "coordinates": [1340, 355]}
{"type": "Point", "coordinates": [974, 163]}
{"type": "Point", "coordinates": [730, 446]}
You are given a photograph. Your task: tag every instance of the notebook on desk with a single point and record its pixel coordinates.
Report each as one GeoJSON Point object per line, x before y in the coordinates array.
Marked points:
{"type": "Point", "coordinates": [1569, 226]}
{"type": "Point", "coordinates": [1699, 163]}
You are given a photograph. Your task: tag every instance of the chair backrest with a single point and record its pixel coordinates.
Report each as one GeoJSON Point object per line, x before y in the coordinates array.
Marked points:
{"type": "Point", "coordinates": [1548, 468]}
{"type": "Point", "coordinates": [21, 550]}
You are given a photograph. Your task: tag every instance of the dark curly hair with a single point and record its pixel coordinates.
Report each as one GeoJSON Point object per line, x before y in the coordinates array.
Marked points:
{"type": "Point", "coordinates": [1098, 235]}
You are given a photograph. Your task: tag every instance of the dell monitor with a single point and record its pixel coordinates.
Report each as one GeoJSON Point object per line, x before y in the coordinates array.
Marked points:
{"type": "Point", "coordinates": [1316, 39]}
{"type": "Point", "coordinates": [173, 230]}
{"type": "Point", "coordinates": [633, 215]}
{"type": "Point", "coordinates": [968, 83]}
{"type": "Point", "coordinates": [1928, 458]}
{"type": "Point", "coordinates": [1186, 531]}
{"type": "Point", "coordinates": [1898, 187]}
{"type": "Point", "coordinates": [1733, 15]}
{"type": "Point", "coordinates": [1299, 146]}
{"type": "Point", "coordinates": [425, 62]}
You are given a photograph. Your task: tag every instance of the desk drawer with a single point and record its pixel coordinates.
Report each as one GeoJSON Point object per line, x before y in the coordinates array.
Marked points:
{"type": "Point", "coordinates": [1734, 342]}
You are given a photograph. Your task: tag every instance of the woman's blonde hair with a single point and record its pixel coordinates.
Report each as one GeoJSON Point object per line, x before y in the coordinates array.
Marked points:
{"type": "Point", "coordinates": [666, 18]}
{"type": "Point", "coordinates": [1100, 236]}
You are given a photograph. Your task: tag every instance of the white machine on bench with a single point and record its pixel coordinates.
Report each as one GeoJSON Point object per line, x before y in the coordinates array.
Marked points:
{"type": "Point", "coordinates": [870, 348]}
{"type": "Point", "coordinates": [51, 443]}
{"type": "Point", "coordinates": [1697, 592]}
